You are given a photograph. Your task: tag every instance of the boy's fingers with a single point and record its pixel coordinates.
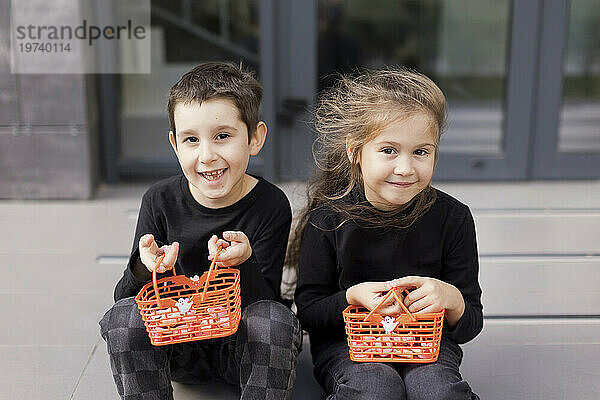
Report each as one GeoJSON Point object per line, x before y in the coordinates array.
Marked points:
{"type": "Point", "coordinates": [212, 244]}
{"type": "Point", "coordinates": [147, 242]}
{"type": "Point", "coordinates": [224, 244]}
{"type": "Point", "coordinates": [171, 253]}
{"type": "Point", "coordinates": [227, 253]}
{"type": "Point", "coordinates": [234, 236]}
{"type": "Point", "coordinates": [146, 239]}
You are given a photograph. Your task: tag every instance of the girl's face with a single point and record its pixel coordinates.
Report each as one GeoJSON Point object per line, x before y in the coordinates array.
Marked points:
{"type": "Point", "coordinates": [399, 162]}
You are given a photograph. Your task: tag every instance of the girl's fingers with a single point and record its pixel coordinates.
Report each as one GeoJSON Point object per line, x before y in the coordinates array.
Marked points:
{"type": "Point", "coordinates": [430, 309]}
{"type": "Point", "coordinates": [415, 295]}
{"type": "Point", "coordinates": [389, 301]}
{"type": "Point", "coordinates": [418, 305]}
{"type": "Point", "coordinates": [380, 287]}
{"type": "Point", "coordinates": [393, 309]}
{"type": "Point", "coordinates": [409, 282]}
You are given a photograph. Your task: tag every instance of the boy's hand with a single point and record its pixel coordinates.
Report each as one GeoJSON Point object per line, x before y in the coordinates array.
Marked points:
{"type": "Point", "coordinates": [432, 295]}
{"type": "Point", "coordinates": [150, 253]}
{"type": "Point", "coordinates": [370, 294]}
{"type": "Point", "coordinates": [236, 248]}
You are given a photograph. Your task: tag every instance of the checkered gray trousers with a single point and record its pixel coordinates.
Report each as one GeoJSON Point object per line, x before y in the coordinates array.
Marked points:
{"type": "Point", "coordinates": [260, 358]}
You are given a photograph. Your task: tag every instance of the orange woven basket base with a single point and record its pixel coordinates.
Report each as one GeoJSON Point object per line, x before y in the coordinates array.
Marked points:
{"type": "Point", "coordinates": [409, 341]}
{"type": "Point", "coordinates": [183, 315]}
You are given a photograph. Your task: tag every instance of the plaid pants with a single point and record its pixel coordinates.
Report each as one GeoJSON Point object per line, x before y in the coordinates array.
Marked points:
{"type": "Point", "coordinates": [260, 358]}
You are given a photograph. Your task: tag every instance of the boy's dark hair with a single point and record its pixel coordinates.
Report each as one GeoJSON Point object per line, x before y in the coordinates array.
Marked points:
{"type": "Point", "coordinates": [219, 80]}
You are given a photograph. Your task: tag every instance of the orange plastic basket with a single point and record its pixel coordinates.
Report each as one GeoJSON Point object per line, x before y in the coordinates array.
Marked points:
{"type": "Point", "coordinates": [179, 309]}
{"type": "Point", "coordinates": [407, 337]}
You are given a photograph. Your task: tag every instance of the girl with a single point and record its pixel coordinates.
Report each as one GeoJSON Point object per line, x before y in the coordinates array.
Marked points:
{"type": "Point", "coordinates": [374, 222]}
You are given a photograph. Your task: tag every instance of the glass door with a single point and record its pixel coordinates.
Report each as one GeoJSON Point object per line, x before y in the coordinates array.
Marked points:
{"type": "Point", "coordinates": [522, 78]}
{"type": "Point", "coordinates": [295, 78]}
{"type": "Point", "coordinates": [480, 52]}
{"type": "Point", "coordinates": [184, 33]}
{"type": "Point", "coordinates": [567, 135]}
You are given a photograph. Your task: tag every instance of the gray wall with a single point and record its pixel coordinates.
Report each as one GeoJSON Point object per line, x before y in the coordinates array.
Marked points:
{"type": "Point", "coordinates": [47, 127]}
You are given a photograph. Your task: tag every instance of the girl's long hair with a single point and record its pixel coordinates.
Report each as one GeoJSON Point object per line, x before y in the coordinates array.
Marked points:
{"type": "Point", "coordinates": [348, 116]}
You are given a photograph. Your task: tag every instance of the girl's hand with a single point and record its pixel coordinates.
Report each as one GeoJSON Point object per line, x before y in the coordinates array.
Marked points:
{"type": "Point", "coordinates": [432, 295]}
{"type": "Point", "coordinates": [150, 253]}
{"type": "Point", "coordinates": [370, 294]}
{"type": "Point", "coordinates": [235, 248]}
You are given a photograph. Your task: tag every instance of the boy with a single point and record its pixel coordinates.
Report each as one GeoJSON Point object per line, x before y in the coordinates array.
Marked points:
{"type": "Point", "coordinates": [213, 112]}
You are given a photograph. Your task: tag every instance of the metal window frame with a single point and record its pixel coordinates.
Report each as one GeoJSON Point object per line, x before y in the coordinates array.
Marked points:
{"type": "Point", "coordinates": [533, 99]}
{"type": "Point", "coordinates": [519, 107]}
{"type": "Point", "coordinates": [548, 163]}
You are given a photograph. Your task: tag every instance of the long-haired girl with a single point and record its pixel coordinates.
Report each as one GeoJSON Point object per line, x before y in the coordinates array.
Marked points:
{"type": "Point", "coordinates": [373, 222]}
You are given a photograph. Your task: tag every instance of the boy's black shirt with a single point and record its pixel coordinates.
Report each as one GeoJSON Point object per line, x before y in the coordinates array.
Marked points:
{"type": "Point", "coordinates": [169, 212]}
{"type": "Point", "coordinates": [440, 244]}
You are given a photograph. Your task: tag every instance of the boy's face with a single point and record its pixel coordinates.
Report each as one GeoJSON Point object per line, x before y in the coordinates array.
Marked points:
{"type": "Point", "coordinates": [213, 150]}
{"type": "Point", "coordinates": [399, 162]}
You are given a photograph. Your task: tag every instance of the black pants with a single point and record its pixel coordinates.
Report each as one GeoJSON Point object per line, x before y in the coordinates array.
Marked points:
{"type": "Point", "coordinates": [260, 358]}
{"type": "Point", "coordinates": [343, 378]}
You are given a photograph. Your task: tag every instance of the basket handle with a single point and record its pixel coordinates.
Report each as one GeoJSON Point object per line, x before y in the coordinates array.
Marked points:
{"type": "Point", "coordinates": [392, 292]}
{"type": "Point", "coordinates": [155, 284]}
{"type": "Point", "coordinates": [210, 270]}
{"type": "Point", "coordinates": [158, 301]}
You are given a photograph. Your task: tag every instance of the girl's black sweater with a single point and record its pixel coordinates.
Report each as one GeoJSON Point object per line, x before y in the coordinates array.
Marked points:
{"type": "Point", "coordinates": [440, 244]}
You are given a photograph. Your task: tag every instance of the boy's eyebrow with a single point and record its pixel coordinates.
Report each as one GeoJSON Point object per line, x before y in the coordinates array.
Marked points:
{"type": "Point", "coordinates": [216, 128]}
{"type": "Point", "coordinates": [229, 127]}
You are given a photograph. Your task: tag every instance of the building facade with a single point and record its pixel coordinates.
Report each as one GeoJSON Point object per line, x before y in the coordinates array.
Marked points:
{"type": "Point", "coordinates": [522, 80]}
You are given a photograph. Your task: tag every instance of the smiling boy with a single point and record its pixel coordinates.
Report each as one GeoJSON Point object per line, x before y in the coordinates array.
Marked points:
{"type": "Point", "coordinates": [215, 128]}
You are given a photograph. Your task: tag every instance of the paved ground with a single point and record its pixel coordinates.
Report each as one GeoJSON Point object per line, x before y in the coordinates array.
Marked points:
{"type": "Point", "coordinates": [540, 270]}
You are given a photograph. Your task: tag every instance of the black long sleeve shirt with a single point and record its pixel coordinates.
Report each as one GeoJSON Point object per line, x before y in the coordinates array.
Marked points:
{"type": "Point", "coordinates": [170, 213]}
{"type": "Point", "coordinates": [441, 244]}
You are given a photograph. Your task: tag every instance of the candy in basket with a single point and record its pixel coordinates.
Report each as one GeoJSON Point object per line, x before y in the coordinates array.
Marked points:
{"type": "Point", "coordinates": [407, 337]}
{"type": "Point", "coordinates": [179, 309]}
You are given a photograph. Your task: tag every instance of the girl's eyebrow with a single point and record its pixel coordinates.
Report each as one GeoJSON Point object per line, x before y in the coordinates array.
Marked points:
{"type": "Point", "coordinates": [187, 132]}
{"type": "Point", "coordinates": [399, 144]}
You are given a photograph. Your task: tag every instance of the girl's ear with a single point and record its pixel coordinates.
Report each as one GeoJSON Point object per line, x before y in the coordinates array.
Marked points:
{"type": "Point", "coordinates": [258, 138]}
{"type": "Point", "coordinates": [349, 151]}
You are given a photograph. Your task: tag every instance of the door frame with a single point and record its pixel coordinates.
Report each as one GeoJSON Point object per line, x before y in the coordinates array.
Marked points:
{"type": "Point", "coordinates": [548, 162]}
{"type": "Point", "coordinates": [288, 71]}
{"type": "Point", "coordinates": [512, 164]}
